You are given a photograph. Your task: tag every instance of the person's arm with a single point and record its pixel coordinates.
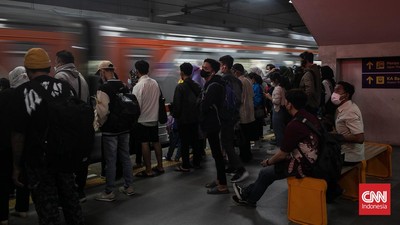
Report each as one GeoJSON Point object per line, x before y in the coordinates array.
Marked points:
{"type": "Point", "coordinates": [354, 138]}
{"type": "Point", "coordinates": [279, 156]}
{"type": "Point", "coordinates": [17, 142]}
{"type": "Point", "coordinates": [102, 110]}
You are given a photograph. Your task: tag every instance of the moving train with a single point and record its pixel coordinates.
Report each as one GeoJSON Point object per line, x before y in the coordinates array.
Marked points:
{"type": "Point", "coordinates": [93, 38]}
{"type": "Point", "coordinates": [122, 41]}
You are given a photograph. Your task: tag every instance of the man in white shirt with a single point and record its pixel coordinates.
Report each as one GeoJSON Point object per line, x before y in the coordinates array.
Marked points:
{"type": "Point", "coordinates": [349, 123]}
{"type": "Point", "coordinates": [147, 93]}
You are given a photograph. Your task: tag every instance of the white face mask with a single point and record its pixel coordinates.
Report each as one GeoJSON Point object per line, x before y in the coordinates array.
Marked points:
{"type": "Point", "coordinates": [273, 84]}
{"type": "Point", "coordinates": [335, 98]}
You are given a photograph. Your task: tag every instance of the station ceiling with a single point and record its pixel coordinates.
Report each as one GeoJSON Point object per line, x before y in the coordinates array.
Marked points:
{"type": "Point", "coordinates": [270, 17]}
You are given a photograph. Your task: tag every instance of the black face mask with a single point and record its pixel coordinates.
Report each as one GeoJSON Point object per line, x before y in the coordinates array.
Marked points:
{"type": "Point", "coordinates": [303, 63]}
{"type": "Point", "coordinates": [204, 74]}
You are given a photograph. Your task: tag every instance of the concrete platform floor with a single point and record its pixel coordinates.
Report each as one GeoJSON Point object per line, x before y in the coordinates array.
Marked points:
{"type": "Point", "coordinates": [178, 198]}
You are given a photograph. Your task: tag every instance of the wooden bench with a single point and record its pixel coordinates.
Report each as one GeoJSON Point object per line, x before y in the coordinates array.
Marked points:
{"type": "Point", "coordinates": [306, 196]}
{"type": "Point", "coordinates": [379, 160]}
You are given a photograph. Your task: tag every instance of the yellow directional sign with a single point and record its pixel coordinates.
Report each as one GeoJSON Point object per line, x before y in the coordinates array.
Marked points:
{"type": "Point", "coordinates": [381, 72]}
{"type": "Point", "coordinates": [370, 79]}
{"type": "Point", "coordinates": [369, 64]}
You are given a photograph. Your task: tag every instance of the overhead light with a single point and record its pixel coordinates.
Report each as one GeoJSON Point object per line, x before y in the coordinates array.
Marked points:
{"type": "Point", "coordinates": [290, 1]}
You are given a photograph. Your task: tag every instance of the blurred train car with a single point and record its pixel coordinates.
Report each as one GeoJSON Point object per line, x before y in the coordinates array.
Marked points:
{"type": "Point", "coordinates": [92, 39]}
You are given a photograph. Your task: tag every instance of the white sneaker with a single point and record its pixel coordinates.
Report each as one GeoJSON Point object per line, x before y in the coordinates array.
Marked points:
{"type": "Point", "coordinates": [240, 176]}
{"type": "Point", "coordinates": [128, 191]}
{"type": "Point", "coordinates": [103, 196]}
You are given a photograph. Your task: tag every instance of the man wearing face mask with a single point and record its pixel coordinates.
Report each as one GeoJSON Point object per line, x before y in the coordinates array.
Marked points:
{"type": "Point", "coordinates": [212, 98]}
{"type": "Point", "coordinates": [311, 82]}
{"type": "Point", "coordinates": [349, 123]}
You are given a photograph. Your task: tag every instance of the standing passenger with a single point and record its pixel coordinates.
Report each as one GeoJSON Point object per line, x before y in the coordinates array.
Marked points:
{"type": "Point", "coordinates": [279, 112]}
{"type": "Point", "coordinates": [210, 123]}
{"type": "Point", "coordinates": [17, 77]}
{"type": "Point", "coordinates": [186, 112]}
{"type": "Point", "coordinates": [66, 70]}
{"type": "Point", "coordinates": [311, 82]}
{"type": "Point", "coordinates": [147, 93]}
{"type": "Point", "coordinates": [50, 188]}
{"type": "Point", "coordinates": [115, 134]}
{"type": "Point", "coordinates": [230, 116]}
{"type": "Point", "coordinates": [246, 112]}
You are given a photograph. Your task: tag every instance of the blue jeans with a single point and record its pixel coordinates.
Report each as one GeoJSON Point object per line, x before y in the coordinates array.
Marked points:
{"type": "Point", "coordinates": [113, 145]}
{"type": "Point", "coordinates": [278, 121]}
{"type": "Point", "coordinates": [265, 178]}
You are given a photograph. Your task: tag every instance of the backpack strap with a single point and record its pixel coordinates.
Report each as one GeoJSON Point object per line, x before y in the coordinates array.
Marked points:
{"type": "Point", "coordinates": [79, 80]}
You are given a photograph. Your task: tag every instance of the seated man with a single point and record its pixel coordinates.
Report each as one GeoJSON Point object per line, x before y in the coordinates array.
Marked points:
{"type": "Point", "coordinates": [349, 123]}
{"type": "Point", "coordinates": [288, 161]}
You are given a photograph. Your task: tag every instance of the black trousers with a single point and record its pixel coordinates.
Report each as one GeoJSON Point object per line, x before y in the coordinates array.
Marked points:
{"type": "Point", "coordinates": [215, 145]}
{"type": "Point", "coordinates": [189, 137]}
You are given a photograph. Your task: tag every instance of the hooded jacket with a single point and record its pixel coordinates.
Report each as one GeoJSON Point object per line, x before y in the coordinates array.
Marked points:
{"type": "Point", "coordinates": [70, 74]}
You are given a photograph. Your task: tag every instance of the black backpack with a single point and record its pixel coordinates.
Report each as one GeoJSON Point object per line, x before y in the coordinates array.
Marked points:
{"type": "Point", "coordinates": [230, 106]}
{"type": "Point", "coordinates": [124, 111]}
{"type": "Point", "coordinates": [329, 162]}
{"type": "Point", "coordinates": [69, 136]}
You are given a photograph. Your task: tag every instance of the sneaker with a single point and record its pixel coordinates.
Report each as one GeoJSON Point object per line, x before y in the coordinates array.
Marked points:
{"type": "Point", "coordinates": [103, 196]}
{"type": "Point", "coordinates": [128, 191]}
{"type": "Point", "coordinates": [82, 196]}
{"type": "Point", "coordinates": [243, 202]}
{"type": "Point", "coordinates": [240, 175]}
{"type": "Point", "coordinates": [238, 191]}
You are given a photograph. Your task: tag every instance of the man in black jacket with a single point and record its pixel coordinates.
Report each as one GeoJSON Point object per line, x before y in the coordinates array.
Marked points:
{"type": "Point", "coordinates": [210, 107]}
{"type": "Point", "coordinates": [186, 112]}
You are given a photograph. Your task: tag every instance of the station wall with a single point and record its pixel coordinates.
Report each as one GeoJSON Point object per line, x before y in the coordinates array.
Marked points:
{"type": "Point", "coordinates": [380, 107]}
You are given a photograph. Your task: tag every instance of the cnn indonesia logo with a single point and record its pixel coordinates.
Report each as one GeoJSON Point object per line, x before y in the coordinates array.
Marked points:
{"type": "Point", "coordinates": [374, 199]}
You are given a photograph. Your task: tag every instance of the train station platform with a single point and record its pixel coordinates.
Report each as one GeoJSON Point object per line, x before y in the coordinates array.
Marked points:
{"type": "Point", "coordinates": [177, 198]}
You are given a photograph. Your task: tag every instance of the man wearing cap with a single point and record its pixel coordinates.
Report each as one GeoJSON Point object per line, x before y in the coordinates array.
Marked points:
{"type": "Point", "coordinates": [115, 138]}
{"type": "Point", "coordinates": [49, 187]}
{"type": "Point", "coordinates": [147, 92]}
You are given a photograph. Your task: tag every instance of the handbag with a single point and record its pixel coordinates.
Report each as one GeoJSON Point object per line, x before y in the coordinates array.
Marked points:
{"type": "Point", "coordinates": [162, 112]}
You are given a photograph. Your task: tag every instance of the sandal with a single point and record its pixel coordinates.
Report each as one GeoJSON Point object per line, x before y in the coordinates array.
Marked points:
{"type": "Point", "coordinates": [181, 169]}
{"type": "Point", "coordinates": [157, 171]}
{"type": "Point", "coordinates": [216, 191]}
{"type": "Point", "coordinates": [143, 174]}
{"type": "Point", "coordinates": [211, 185]}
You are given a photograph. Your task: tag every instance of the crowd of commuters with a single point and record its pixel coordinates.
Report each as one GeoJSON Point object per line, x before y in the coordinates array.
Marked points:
{"type": "Point", "coordinates": [221, 101]}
